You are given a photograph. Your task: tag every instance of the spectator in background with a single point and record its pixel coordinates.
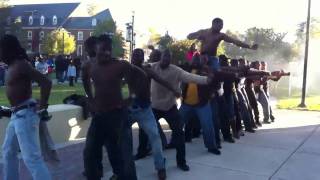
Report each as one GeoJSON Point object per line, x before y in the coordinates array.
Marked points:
{"type": "Point", "coordinates": [59, 68]}
{"type": "Point", "coordinates": [191, 52]}
{"type": "Point", "coordinates": [71, 73]}
{"type": "Point", "coordinates": [77, 64]}
{"type": "Point", "coordinates": [66, 62]}
{"type": "Point", "coordinates": [42, 66]}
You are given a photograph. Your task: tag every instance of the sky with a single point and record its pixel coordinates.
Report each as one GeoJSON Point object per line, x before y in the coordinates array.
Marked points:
{"type": "Point", "coordinates": [180, 17]}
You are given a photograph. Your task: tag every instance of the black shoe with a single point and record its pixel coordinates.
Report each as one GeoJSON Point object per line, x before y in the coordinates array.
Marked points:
{"type": "Point", "coordinates": [229, 140]}
{"type": "Point", "coordinates": [241, 133]}
{"type": "Point", "coordinates": [214, 151]}
{"type": "Point", "coordinates": [170, 146]}
{"type": "Point", "coordinates": [113, 177]}
{"type": "Point", "coordinates": [141, 155]}
{"type": "Point", "coordinates": [272, 118]}
{"type": "Point", "coordinates": [254, 126]}
{"type": "Point", "coordinates": [184, 167]}
{"type": "Point", "coordinates": [236, 135]}
{"type": "Point", "coordinates": [219, 146]}
{"type": "Point", "coordinates": [266, 122]}
{"type": "Point", "coordinates": [250, 130]}
{"type": "Point", "coordinates": [162, 175]}
{"type": "Point", "coordinates": [259, 124]}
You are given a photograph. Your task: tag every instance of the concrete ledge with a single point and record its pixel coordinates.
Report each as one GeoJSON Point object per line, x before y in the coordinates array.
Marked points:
{"type": "Point", "coordinates": [66, 125]}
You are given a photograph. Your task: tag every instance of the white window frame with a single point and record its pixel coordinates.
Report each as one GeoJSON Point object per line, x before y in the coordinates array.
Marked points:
{"type": "Point", "coordinates": [91, 33]}
{"type": "Point", "coordinates": [41, 35]}
{"type": "Point", "coordinates": [80, 36]}
{"type": "Point", "coordinates": [29, 49]}
{"type": "Point", "coordinates": [40, 48]}
{"type": "Point", "coordinates": [29, 36]}
{"type": "Point", "coordinates": [42, 20]}
{"type": "Point", "coordinates": [54, 20]}
{"type": "Point", "coordinates": [94, 22]}
{"type": "Point", "coordinates": [79, 50]}
{"type": "Point", "coordinates": [30, 22]}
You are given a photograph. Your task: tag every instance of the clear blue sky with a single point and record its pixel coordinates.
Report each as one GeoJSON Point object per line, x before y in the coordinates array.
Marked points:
{"type": "Point", "coordinates": [180, 17]}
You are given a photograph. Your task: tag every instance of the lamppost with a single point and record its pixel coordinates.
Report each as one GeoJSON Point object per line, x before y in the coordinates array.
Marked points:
{"type": "Point", "coordinates": [131, 35]}
{"type": "Point", "coordinates": [306, 53]}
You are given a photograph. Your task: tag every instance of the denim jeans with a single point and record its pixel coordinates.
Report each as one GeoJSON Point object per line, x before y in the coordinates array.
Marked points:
{"type": "Point", "coordinates": [146, 121]}
{"type": "Point", "coordinates": [22, 134]}
{"type": "Point", "coordinates": [113, 130]}
{"type": "Point", "coordinates": [205, 117]}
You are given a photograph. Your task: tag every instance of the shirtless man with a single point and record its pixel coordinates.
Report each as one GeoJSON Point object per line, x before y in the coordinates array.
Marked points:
{"type": "Point", "coordinates": [211, 38]}
{"type": "Point", "coordinates": [110, 125]}
{"type": "Point", "coordinates": [22, 130]}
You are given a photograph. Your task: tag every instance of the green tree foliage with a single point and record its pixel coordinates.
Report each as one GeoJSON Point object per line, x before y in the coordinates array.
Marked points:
{"type": "Point", "coordinates": [165, 41]}
{"type": "Point", "coordinates": [179, 50]}
{"type": "Point", "coordinates": [271, 45]}
{"type": "Point", "coordinates": [59, 41]}
{"type": "Point", "coordinates": [154, 37]}
{"type": "Point", "coordinates": [314, 30]}
{"type": "Point", "coordinates": [109, 27]}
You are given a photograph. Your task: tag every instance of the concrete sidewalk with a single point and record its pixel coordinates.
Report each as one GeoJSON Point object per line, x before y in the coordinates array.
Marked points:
{"type": "Point", "coordinates": [286, 150]}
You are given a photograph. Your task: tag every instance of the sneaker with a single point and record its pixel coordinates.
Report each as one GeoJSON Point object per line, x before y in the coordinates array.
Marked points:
{"type": "Point", "coordinates": [141, 155]}
{"type": "Point", "coordinates": [170, 146]}
{"type": "Point", "coordinates": [214, 151]}
{"type": "Point", "coordinates": [162, 175]}
{"type": "Point", "coordinates": [184, 167]}
{"type": "Point", "coordinates": [266, 122]}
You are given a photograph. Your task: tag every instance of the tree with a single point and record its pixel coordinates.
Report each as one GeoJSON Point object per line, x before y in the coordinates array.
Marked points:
{"type": "Point", "coordinates": [109, 27]}
{"type": "Point", "coordinates": [314, 30]}
{"type": "Point", "coordinates": [92, 9]}
{"type": "Point", "coordinates": [4, 3]}
{"type": "Point", "coordinates": [154, 37]}
{"type": "Point", "coordinates": [59, 41]}
{"type": "Point", "coordinates": [179, 50]}
{"type": "Point", "coordinates": [271, 45]}
{"type": "Point", "coordinates": [165, 41]}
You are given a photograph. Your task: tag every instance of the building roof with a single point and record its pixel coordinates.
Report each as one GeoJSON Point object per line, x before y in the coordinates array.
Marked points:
{"type": "Point", "coordinates": [69, 15]}
{"type": "Point", "coordinates": [86, 22]}
{"type": "Point", "coordinates": [61, 10]}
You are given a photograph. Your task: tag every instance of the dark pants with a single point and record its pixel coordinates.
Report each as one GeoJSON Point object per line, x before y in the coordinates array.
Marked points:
{"type": "Point", "coordinates": [237, 112]}
{"type": "Point", "coordinates": [176, 125]}
{"type": "Point", "coordinates": [192, 128]}
{"type": "Point", "coordinates": [224, 117]}
{"type": "Point", "coordinates": [71, 81]}
{"type": "Point", "coordinates": [216, 119]}
{"type": "Point", "coordinates": [244, 109]}
{"type": "Point", "coordinates": [113, 130]}
{"type": "Point", "coordinates": [253, 102]}
{"type": "Point", "coordinates": [60, 76]}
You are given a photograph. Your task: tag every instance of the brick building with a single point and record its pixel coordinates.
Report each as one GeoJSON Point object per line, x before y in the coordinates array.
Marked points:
{"type": "Point", "coordinates": [38, 20]}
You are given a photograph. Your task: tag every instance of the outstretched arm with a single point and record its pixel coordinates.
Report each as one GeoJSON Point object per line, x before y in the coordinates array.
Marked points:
{"type": "Point", "coordinates": [238, 43]}
{"type": "Point", "coordinates": [196, 35]}
{"type": "Point", "coordinates": [161, 81]}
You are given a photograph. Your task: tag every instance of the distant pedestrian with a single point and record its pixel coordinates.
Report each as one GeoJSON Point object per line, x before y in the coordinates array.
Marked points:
{"type": "Point", "coordinates": [71, 73]}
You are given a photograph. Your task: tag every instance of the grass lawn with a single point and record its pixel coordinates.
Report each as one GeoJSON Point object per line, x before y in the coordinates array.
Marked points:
{"type": "Point", "coordinates": [58, 93]}
{"type": "Point", "coordinates": [313, 103]}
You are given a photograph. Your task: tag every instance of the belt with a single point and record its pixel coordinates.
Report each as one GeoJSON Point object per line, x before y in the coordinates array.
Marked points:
{"type": "Point", "coordinates": [26, 106]}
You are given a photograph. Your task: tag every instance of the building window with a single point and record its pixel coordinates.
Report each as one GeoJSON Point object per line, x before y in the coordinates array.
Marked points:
{"type": "Point", "coordinates": [91, 33]}
{"type": "Point", "coordinates": [40, 48]}
{"type": "Point", "coordinates": [42, 20]}
{"type": "Point", "coordinates": [54, 20]}
{"type": "Point", "coordinates": [41, 35]}
{"type": "Point", "coordinates": [80, 36]}
{"type": "Point", "coordinates": [29, 35]}
{"type": "Point", "coordinates": [29, 48]}
{"type": "Point", "coordinates": [94, 22]}
{"type": "Point", "coordinates": [8, 21]}
{"type": "Point", "coordinates": [79, 50]}
{"type": "Point", "coordinates": [30, 20]}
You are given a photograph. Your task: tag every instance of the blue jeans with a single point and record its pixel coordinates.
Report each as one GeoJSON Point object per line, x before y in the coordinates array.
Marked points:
{"type": "Point", "coordinates": [204, 115]}
{"type": "Point", "coordinates": [22, 134]}
{"type": "Point", "coordinates": [147, 122]}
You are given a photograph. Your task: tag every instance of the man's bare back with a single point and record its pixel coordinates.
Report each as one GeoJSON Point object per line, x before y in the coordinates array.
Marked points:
{"type": "Point", "coordinates": [18, 80]}
{"type": "Point", "coordinates": [211, 38]}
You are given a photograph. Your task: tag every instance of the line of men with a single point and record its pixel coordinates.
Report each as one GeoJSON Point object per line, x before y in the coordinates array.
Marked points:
{"type": "Point", "coordinates": [153, 89]}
